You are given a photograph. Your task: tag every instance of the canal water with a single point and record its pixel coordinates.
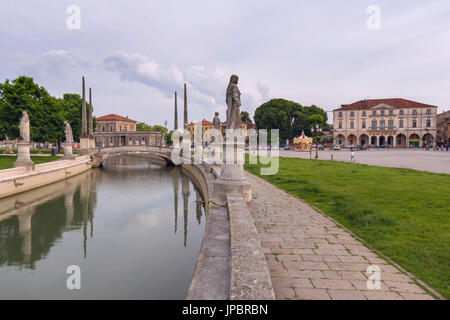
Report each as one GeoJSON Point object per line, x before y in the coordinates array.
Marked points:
{"type": "Point", "coordinates": [134, 229]}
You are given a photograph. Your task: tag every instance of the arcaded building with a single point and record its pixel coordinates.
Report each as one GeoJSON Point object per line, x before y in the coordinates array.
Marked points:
{"type": "Point", "coordinates": [395, 123]}
{"type": "Point", "coordinates": [114, 130]}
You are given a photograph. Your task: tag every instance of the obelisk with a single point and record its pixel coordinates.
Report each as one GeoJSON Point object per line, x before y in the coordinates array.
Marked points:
{"type": "Point", "coordinates": [84, 138]}
{"type": "Point", "coordinates": [91, 121]}
{"type": "Point", "coordinates": [175, 123]}
{"type": "Point", "coordinates": [185, 108]}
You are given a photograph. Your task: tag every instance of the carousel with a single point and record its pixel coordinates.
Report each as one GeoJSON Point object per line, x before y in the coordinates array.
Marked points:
{"type": "Point", "coordinates": [302, 143]}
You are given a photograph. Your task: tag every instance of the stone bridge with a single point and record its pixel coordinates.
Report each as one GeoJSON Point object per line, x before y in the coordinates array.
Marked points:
{"type": "Point", "coordinates": [161, 154]}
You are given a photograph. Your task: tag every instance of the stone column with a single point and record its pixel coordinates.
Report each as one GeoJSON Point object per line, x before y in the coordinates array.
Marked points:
{"type": "Point", "coordinates": [23, 156]}
{"type": "Point", "coordinates": [84, 137]}
{"type": "Point", "coordinates": [175, 123]}
{"type": "Point", "coordinates": [185, 108]}
{"type": "Point", "coordinates": [91, 122]}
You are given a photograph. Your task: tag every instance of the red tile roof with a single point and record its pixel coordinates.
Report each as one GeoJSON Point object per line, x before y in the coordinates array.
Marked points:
{"type": "Point", "coordinates": [393, 102]}
{"type": "Point", "coordinates": [204, 123]}
{"type": "Point", "coordinates": [114, 117]}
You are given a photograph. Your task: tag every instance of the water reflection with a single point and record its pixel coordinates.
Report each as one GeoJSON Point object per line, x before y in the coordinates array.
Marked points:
{"type": "Point", "coordinates": [130, 201]}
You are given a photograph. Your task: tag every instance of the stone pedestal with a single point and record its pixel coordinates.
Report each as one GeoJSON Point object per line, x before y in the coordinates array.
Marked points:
{"type": "Point", "coordinates": [91, 142]}
{"type": "Point", "coordinates": [23, 156]}
{"type": "Point", "coordinates": [8, 147]}
{"type": "Point", "coordinates": [232, 178]}
{"type": "Point", "coordinates": [84, 145]}
{"type": "Point", "coordinates": [68, 153]}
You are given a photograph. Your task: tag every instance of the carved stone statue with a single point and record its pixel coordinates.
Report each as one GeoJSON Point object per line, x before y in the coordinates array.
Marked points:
{"type": "Point", "coordinates": [68, 132]}
{"type": "Point", "coordinates": [24, 127]}
{"type": "Point", "coordinates": [216, 121]}
{"type": "Point", "coordinates": [233, 102]}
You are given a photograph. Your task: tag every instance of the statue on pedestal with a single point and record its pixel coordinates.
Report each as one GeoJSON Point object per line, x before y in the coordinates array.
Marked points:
{"type": "Point", "coordinates": [24, 127]}
{"type": "Point", "coordinates": [68, 132]}
{"type": "Point", "coordinates": [216, 121]}
{"type": "Point", "coordinates": [233, 100]}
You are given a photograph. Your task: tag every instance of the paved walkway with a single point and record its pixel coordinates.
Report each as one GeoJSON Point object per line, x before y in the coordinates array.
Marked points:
{"type": "Point", "coordinates": [310, 257]}
{"type": "Point", "coordinates": [433, 161]}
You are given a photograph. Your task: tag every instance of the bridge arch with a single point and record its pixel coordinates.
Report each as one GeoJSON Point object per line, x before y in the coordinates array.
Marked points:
{"type": "Point", "coordinates": [99, 155]}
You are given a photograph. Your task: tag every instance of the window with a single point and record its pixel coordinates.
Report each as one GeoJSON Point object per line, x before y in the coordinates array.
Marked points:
{"type": "Point", "coordinates": [414, 124]}
{"type": "Point", "coordinates": [391, 112]}
{"type": "Point", "coordinates": [428, 123]}
{"type": "Point", "coordinates": [401, 112]}
{"type": "Point", "coordinates": [352, 114]}
{"type": "Point", "coordinates": [340, 114]}
{"type": "Point", "coordinates": [364, 113]}
{"type": "Point", "coordinates": [374, 112]}
{"type": "Point", "coordinates": [382, 112]}
{"type": "Point", "coordinates": [110, 140]}
{"type": "Point", "coordinates": [374, 124]}
{"type": "Point", "coordinates": [382, 124]}
{"type": "Point", "coordinates": [110, 128]}
{"type": "Point", "coordinates": [103, 128]}
{"type": "Point", "coordinates": [363, 125]}
{"type": "Point", "coordinates": [400, 123]}
{"type": "Point", "coordinates": [391, 124]}
{"type": "Point", "coordinates": [352, 124]}
{"type": "Point", "coordinates": [414, 112]}
{"type": "Point", "coordinates": [340, 124]}
{"type": "Point", "coordinates": [428, 112]}
{"type": "Point", "coordinates": [120, 128]}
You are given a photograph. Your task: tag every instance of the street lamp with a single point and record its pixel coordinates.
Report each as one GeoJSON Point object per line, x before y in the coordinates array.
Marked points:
{"type": "Point", "coordinates": [317, 143]}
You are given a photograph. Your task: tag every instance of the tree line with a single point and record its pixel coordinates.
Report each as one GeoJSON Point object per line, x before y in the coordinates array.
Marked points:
{"type": "Point", "coordinates": [291, 118]}
{"type": "Point", "coordinates": [47, 113]}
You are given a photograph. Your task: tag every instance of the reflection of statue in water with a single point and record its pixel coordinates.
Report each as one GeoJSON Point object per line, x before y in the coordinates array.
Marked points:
{"type": "Point", "coordinates": [68, 132]}
{"type": "Point", "coordinates": [24, 127]}
{"type": "Point", "coordinates": [233, 102]}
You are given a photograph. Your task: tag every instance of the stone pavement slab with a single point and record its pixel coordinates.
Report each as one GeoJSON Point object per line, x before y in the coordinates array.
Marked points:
{"type": "Point", "coordinates": [311, 257]}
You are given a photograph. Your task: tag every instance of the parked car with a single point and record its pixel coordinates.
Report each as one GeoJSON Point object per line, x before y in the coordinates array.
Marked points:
{"type": "Point", "coordinates": [336, 148]}
{"type": "Point", "coordinates": [286, 147]}
{"type": "Point", "coordinates": [382, 146]}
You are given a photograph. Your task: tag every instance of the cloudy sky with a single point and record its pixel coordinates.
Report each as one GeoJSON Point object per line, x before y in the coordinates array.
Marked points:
{"type": "Point", "coordinates": [136, 53]}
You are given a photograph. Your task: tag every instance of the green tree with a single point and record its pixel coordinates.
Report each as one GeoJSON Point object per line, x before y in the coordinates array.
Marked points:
{"type": "Point", "coordinates": [245, 117]}
{"type": "Point", "coordinates": [291, 118]}
{"type": "Point", "coordinates": [71, 104]}
{"type": "Point", "coordinates": [46, 114]}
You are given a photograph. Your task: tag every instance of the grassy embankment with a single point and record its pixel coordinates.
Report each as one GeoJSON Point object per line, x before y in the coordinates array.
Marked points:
{"type": "Point", "coordinates": [7, 162]}
{"type": "Point", "coordinates": [403, 213]}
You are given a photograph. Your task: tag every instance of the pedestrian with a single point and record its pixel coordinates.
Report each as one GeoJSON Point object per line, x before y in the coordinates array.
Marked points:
{"type": "Point", "coordinates": [352, 158]}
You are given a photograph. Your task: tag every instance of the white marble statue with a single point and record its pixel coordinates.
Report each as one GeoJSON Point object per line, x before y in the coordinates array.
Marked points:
{"type": "Point", "coordinates": [24, 127]}
{"type": "Point", "coordinates": [68, 132]}
{"type": "Point", "coordinates": [233, 99]}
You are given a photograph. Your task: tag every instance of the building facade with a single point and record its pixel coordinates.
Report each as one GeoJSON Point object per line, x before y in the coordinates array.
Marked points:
{"type": "Point", "coordinates": [114, 130]}
{"type": "Point", "coordinates": [394, 123]}
{"type": "Point", "coordinates": [205, 129]}
{"type": "Point", "coordinates": [443, 127]}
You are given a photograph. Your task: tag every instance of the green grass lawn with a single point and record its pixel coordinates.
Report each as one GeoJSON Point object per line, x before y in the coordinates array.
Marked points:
{"type": "Point", "coordinates": [403, 213]}
{"type": "Point", "coordinates": [7, 162]}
